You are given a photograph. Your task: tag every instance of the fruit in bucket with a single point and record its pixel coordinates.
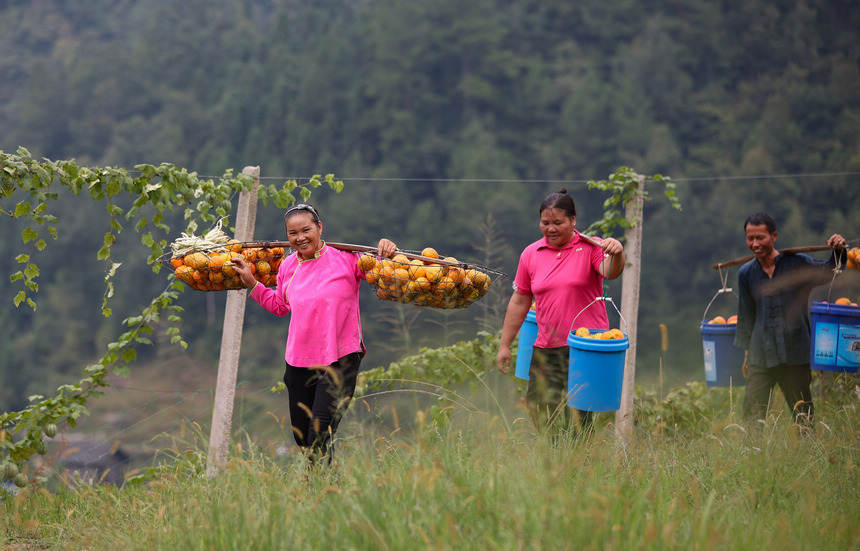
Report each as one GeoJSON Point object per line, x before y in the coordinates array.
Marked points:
{"type": "Point", "coordinates": [610, 334]}
{"type": "Point", "coordinates": [720, 320]}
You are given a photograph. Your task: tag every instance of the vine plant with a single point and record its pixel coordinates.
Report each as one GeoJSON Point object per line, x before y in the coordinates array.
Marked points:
{"type": "Point", "coordinates": [623, 187]}
{"type": "Point", "coordinates": [27, 188]}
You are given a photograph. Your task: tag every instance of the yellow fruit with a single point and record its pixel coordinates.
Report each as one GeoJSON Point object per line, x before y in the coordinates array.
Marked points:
{"type": "Point", "coordinates": [263, 268]}
{"type": "Point", "coordinates": [216, 261]}
{"type": "Point", "coordinates": [582, 332]}
{"type": "Point", "coordinates": [446, 286]}
{"type": "Point", "coordinates": [478, 277]}
{"type": "Point", "coordinates": [416, 269]}
{"type": "Point", "coordinates": [732, 319]}
{"type": "Point", "coordinates": [718, 319]}
{"type": "Point", "coordinates": [400, 259]}
{"type": "Point", "coordinates": [400, 276]}
{"type": "Point", "coordinates": [843, 300]}
{"type": "Point", "coordinates": [429, 252]}
{"type": "Point", "coordinates": [434, 273]}
{"type": "Point", "coordinates": [196, 260]}
{"type": "Point", "coordinates": [412, 288]}
{"type": "Point", "coordinates": [236, 246]}
{"type": "Point", "coordinates": [366, 262]}
{"type": "Point", "coordinates": [185, 273]}
{"type": "Point", "coordinates": [424, 284]}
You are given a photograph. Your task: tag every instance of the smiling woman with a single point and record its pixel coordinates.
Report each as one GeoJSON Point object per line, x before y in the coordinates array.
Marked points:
{"type": "Point", "coordinates": [562, 272]}
{"type": "Point", "coordinates": [319, 286]}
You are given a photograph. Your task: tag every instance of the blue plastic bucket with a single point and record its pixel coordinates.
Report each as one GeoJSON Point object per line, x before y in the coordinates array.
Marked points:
{"type": "Point", "coordinates": [528, 336]}
{"type": "Point", "coordinates": [724, 362]}
{"type": "Point", "coordinates": [595, 372]}
{"type": "Point", "coordinates": [835, 337]}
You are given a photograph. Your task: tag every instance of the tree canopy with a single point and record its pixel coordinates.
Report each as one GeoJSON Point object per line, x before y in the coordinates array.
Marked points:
{"type": "Point", "coordinates": [448, 123]}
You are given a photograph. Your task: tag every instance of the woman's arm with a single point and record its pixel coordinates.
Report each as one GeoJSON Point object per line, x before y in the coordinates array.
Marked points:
{"type": "Point", "coordinates": [518, 309]}
{"type": "Point", "coordinates": [612, 265]}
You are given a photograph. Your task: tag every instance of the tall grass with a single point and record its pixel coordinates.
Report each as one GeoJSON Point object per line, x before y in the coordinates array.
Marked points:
{"type": "Point", "coordinates": [477, 482]}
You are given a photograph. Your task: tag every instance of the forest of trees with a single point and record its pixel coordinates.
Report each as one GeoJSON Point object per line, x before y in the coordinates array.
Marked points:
{"type": "Point", "coordinates": [448, 121]}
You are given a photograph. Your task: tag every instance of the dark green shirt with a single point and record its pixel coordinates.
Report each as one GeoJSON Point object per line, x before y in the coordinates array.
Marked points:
{"type": "Point", "coordinates": [773, 312]}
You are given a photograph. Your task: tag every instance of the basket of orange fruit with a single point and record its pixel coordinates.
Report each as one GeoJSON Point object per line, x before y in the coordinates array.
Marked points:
{"type": "Point", "coordinates": [206, 263]}
{"type": "Point", "coordinates": [426, 279]}
{"type": "Point", "coordinates": [853, 260]}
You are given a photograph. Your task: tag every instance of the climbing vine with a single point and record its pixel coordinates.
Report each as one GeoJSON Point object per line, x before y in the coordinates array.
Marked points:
{"type": "Point", "coordinates": [623, 187]}
{"type": "Point", "coordinates": [29, 186]}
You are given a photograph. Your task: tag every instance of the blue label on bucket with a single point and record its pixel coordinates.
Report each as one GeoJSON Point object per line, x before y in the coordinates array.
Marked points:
{"type": "Point", "coordinates": [848, 347]}
{"type": "Point", "coordinates": [710, 361]}
{"type": "Point", "coordinates": [826, 335]}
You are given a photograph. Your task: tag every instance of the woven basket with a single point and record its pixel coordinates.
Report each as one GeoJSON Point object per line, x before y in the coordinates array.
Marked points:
{"type": "Point", "coordinates": [426, 282]}
{"type": "Point", "coordinates": [212, 269]}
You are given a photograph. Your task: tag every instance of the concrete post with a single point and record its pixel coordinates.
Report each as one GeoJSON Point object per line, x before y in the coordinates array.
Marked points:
{"type": "Point", "coordinates": [231, 339]}
{"type": "Point", "coordinates": [630, 307]}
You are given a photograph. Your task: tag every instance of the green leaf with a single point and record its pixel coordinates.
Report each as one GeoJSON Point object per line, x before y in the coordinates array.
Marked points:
{"type": "Point", "coordinates": [29, 234]}
{"type": "Point", "coordinates": [21, 258]}
{"type": "Point", "coordinates": [31, 271]}
{"type": "Point", "coordinates": [21, 209]}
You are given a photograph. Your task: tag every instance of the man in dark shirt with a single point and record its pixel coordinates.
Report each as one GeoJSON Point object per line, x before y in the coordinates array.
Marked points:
{"type": "Point", "coordinates": [773, 320]}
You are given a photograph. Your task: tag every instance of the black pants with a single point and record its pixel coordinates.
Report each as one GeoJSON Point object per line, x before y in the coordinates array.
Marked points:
{"type": "Point", "coordinates": [547, 393]}
{"type": "Point", "coordinates": [319, 396]}
{"type": "Point", "coordinates": [795, 382]}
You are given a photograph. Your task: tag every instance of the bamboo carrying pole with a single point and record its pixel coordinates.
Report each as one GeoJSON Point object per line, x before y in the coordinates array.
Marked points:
{"type": "Point", "coordinates": [745, 259]}
{"type": "Point", "coordinates": [231, 339]}
{"type": "Point", "coordinates": [368, 249]}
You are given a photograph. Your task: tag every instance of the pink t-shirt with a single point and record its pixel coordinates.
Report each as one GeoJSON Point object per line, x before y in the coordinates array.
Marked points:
{"type": "Point", "coordinates": [563, 282]}
{"type": "Point", "coordinates": [322, 294]}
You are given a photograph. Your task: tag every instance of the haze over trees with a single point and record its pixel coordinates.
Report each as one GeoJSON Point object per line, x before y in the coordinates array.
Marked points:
{"type": "Point", "coordinates": [448, 121]}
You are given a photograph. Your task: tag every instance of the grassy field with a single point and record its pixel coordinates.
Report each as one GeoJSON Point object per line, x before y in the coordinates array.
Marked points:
{"type": "Point", "coordinates": [474, 480]}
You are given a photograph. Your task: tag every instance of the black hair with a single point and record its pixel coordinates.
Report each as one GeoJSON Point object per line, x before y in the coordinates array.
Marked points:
{"type": "Point", "coordinates": [559, 200]}
{"type": "Point", "coordinates": [302, 207]}
{"type": "Point", "coordinates": [761, 219]}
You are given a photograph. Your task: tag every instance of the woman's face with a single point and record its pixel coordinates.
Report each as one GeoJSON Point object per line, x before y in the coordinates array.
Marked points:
{"type": "Point", "coordinates": [556, 226]}
{"type": "Point", "coordinates": [304, 234]}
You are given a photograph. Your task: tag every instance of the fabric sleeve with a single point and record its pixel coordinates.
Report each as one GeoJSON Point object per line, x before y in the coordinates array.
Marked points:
{"type": "Point", "coordinates": [522, 281]}
{"type": "Point", "coordinates": [270, 300]}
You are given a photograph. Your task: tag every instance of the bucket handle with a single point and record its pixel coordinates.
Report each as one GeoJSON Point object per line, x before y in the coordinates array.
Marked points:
{"type": "Point", "coordinates": [603, 298]}
{"type": "Point", "coordinates": [726, 289]}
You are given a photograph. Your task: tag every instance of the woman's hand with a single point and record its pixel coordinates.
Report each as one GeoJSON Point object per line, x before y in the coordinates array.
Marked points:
{"type": "Point", "coordinates": [613, 264]}
{"type": "Point", "coordinates": [503, 358]}
{"type": "Point", "coordinates": [244, 270]}
{"type": "Point", "coordinates": [386, 248]}
{"type": "Point", "coordinates": [611, 246]}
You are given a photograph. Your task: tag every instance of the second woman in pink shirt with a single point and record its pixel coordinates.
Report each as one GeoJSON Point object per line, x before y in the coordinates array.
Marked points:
{"type": "Point", "coordinates": [318, 286]}
{"type": "Point", "coordinates": [563, 274]}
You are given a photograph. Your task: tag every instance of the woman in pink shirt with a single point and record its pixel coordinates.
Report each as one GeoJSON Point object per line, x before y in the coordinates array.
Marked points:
{"type": "Point", "coordinates": [318, 285]}
{"type": "Point", "coordinates": [563, 274]}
